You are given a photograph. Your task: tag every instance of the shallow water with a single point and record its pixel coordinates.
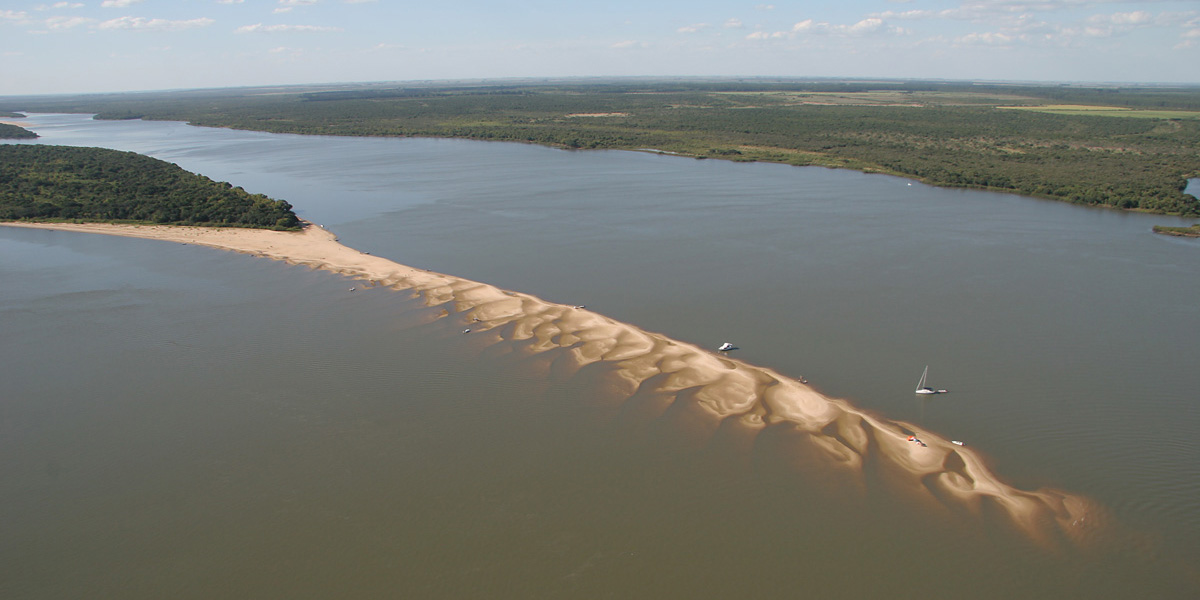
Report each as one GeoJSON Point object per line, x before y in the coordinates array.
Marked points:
{"type": "Point", "coordinates": [278, 430]}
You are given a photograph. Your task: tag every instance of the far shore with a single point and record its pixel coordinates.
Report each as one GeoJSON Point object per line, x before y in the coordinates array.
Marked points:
{"type": "Point", "coordinates": [833, 437]}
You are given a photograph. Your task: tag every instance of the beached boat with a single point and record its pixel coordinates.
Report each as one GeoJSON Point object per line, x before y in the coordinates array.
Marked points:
{"type": "Point", "coordinates": [924, 389]}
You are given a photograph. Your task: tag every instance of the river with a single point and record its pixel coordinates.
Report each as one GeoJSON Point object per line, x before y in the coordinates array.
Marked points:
{"type": "Point", "coordinates": [186, 422]}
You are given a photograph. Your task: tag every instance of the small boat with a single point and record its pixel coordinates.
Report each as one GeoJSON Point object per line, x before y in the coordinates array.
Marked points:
{"type": "Point", "coordinates": [957, 443]}
{"type": "Point", "coordinates": [924, 389]}
{"type": "Point", "coordinates": [726, 347]}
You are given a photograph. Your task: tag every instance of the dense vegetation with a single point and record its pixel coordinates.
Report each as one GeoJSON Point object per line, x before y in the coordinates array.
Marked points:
{"type": "Point", "coordinates": [1193, 231]}
{"type": "Point", "coordinates": [12, 132]}
{"type": "Point", "coordinates": [947, 134]}
{"type": "Point", "coordinates": [42, 182]}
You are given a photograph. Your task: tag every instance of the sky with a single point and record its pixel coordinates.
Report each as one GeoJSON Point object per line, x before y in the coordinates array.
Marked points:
{"type": "Point", "coordinates": [50, 47]}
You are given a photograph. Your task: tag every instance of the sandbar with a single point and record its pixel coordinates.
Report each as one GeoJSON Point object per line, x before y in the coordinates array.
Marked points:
{"type": "Point", "coordinates": [829, 433]}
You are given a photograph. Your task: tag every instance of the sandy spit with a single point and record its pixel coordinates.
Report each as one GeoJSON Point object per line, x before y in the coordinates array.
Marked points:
{"type": "Point", "coordinates": [831, 434]}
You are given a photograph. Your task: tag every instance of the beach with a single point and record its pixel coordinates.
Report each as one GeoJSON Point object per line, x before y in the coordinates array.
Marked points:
{"type": "Point", "coordinates": [827, 435]}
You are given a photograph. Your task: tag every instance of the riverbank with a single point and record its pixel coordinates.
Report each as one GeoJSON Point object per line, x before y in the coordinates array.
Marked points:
{"type": "Point", "coordinates": [829, 435]}
{"type": "Point", "coordinates": [1193, 231]}
{"type": "Point", "coordinates": [949, 134]}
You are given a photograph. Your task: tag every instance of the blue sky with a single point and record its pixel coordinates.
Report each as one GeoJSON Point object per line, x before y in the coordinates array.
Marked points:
{"type": "Point", "coordinates": [126, 45]}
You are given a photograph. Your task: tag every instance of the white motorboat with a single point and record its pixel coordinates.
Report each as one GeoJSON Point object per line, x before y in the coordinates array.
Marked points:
{"type": "Point", "coordinates": [726, 347]}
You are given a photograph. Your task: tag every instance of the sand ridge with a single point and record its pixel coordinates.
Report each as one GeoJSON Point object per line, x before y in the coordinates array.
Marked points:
{"type": "Point", "coordinates": [836, 436]}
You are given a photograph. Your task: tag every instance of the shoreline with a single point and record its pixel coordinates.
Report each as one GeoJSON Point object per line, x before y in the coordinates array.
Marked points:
{"type": "Point", "coordinates": [1186, 232]}
{"type": "Point", "coordinates": [848, 164]}
{"type": "Point", "coordinates": [830, 434]}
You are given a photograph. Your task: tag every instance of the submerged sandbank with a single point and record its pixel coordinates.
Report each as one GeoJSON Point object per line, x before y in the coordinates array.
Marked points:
{"type": "Point", "coordinates": [828, 434]}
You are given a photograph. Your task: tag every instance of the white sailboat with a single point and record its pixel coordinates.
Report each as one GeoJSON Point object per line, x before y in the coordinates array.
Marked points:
{"type": "Point", "coordinates": [924, 389]}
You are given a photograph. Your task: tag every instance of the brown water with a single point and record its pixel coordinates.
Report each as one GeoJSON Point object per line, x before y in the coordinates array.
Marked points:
{"type": "Point", "coordinates": [183, 422]}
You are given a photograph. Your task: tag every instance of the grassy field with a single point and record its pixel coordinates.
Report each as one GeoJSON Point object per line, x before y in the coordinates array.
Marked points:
{"type": "Point", "coordinates": [1107, 111]}
{"type": "Point", "coordinates": [880, 98]}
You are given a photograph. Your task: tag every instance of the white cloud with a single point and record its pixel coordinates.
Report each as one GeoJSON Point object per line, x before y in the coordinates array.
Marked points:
{"type": "Point", "coordinates": [17, 16]}
{"type": "Point", "coordinates": [985, 39]}
{"type": "Point", "coordinates": [143, 24]}
{"type": "Point", "coordinates": [1011, 27]}
{"type": "Point", "coordinates": [989, 12]}
{"type": "Point", "coordinates": [1128, 18]}
{"type": "Point", "coordinates": [806, 26]}
{"type": "Point", "coordinates": [119, 3]}
{"type": "Point", "coordinates": [868, 26]}
{"type": "Point", "coordinates": [230, 1]}
{"type": "Point", "coordinates": [766, 35]}
{"type": "Point", "coordinates": [1138, 17]}
{"type": "Point", "coordinates": [734, 23]}
{"type": "Point", "coordinates": [909, 14]}
{"type": "Point", "coordinates": [1116, 23]}
{"type": "Point", "coordinates": [628, 44]}
{"type": "Point", "coordinates": [865, 26]}
{"type": "Point", "coordinates": [693, 28]}
{"type": "Point", "coordinates": [1189, 39]}
{"type": "Point", "coordinates": [60, 5]}
{"type": "Point", "coordinates": [286, 6]}
{"type": "Point", "coordinates": [60, 23]}
{"type": "Point", "coordinates": [260, 28]}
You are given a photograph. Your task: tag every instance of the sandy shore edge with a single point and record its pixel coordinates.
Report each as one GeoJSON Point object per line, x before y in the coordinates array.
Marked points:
{"type": "Point", "coordinates": [831, 433]}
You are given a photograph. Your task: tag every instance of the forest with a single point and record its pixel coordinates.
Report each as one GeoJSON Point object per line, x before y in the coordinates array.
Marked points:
{"type": "Point", "coordinates": [1137, 155]}
{"type": "Point", "coordinates": [61, 183]}
{"type": "Point", "coordinates": [13, 132]}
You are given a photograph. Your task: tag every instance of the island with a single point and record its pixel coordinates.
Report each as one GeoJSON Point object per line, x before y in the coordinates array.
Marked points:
{"type": "Point", "coordinates": [62, 183]}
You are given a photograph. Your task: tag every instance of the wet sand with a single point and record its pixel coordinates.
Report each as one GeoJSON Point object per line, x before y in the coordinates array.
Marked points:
{"type": "Point", "coordinates": [828, 435]}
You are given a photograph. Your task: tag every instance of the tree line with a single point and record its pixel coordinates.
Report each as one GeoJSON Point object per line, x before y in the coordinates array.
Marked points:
{"type": "Point", "coordinates": [946, 134]}
{"type": "Point", "coordinates": [13, 132]}
{"type": "Point", "coordinates": [61, 183]}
